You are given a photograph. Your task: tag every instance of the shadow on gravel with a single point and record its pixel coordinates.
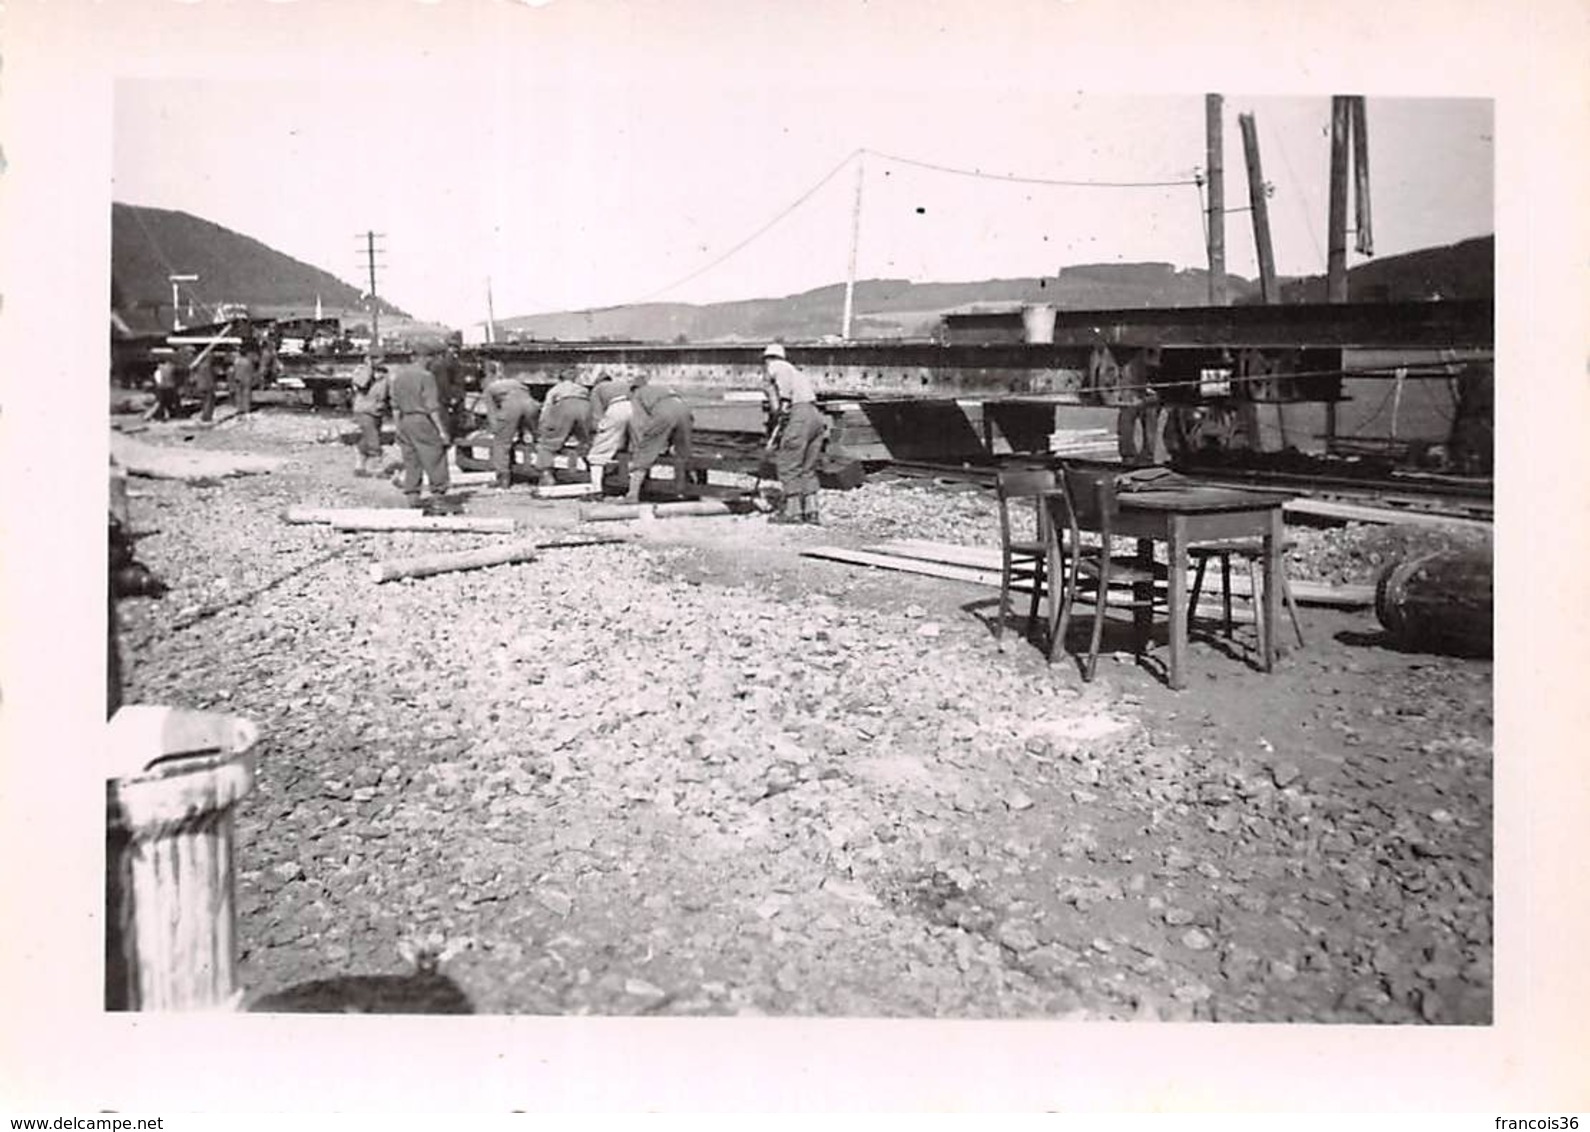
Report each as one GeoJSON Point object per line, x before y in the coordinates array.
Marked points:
{"type": "Point", "coordinates": [1381, 639]}
{"type": "Point", "coordinates": [424, 990]}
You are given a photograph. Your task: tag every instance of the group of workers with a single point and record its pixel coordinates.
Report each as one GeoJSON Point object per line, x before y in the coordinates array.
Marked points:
{"type": "Point", "coordinates": [186, 372]}
{"type": "Point", "coordinates": [603, 417]}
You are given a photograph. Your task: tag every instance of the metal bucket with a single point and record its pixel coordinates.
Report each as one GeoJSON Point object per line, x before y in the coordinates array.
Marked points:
{"type": "Point", "coordinates": [1038, 321]}
{"type": "Point", "coordinates": [174, 778]}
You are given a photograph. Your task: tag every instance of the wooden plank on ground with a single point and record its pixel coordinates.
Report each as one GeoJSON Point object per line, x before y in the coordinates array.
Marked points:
{"type": "Point", "coordinates": [1358, 513]}
{"type": "Point", "coordinates": [908, 565]}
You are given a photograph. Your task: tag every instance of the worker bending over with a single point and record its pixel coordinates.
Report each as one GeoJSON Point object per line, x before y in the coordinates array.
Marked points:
{"type": "Point", "coordinates": [512, 414]}
{"type": "Point", "coordinates": [795, 435]}
{"type": "Point", "coordinates": [659, 420]}
{"type": "Point", "coordinates": [421, 431]}
{"type": "Point", "coordinates": [566, 413]}
{"type": "Point", "coordinates": [610, 416]}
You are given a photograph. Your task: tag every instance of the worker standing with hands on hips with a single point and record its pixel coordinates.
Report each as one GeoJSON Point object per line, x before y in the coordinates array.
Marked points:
{"type": "Point", "coordinates": [566, 412]}
{"type": "Point", "coordinates": [512, 413]}
{"type": "Point", "coordinates": [421, 430]}
{"type": "Point", "coordinates": [659, 420]}
{"type": "Point", "coordinates": [795, 435]}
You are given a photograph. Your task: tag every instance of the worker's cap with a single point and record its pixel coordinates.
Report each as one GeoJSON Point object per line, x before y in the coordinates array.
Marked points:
{"type": "Point", "coordinates": [773, 351]}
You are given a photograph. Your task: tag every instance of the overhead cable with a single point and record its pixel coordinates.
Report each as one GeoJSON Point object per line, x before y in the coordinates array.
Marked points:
{"type": "Point", "coordinates": [1029, 180]}
{"type": "Point", "coordinates": [802, 199]}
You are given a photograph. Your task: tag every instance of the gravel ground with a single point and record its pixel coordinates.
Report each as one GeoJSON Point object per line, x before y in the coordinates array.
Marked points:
{"type": "Point", "coordinates": [692, 773]}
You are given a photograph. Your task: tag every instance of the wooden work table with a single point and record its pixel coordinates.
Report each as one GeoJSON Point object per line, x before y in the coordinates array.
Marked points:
{"type": "Point", "coordinates": [1182, 516]}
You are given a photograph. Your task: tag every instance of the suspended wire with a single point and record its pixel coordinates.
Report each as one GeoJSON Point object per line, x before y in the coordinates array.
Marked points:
{"type": "Point", "coordinates": [1308, 221]}
{"type": "Point", "coordinates": [854, 154]}
{"type": "Point", "coordinates": [1028, 180]}
{"type": "Point", "coordinates": [802, 199]}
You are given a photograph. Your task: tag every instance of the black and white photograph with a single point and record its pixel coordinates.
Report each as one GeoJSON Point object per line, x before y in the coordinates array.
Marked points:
{"type": "Point", "coordinates": [865, 518]}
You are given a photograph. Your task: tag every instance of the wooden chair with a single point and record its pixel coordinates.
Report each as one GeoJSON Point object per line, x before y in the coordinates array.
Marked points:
{"type": "Point", "coordinates": [1086, 501]}
{"type": "Point", "coordinates": [1023, 559]}
{"type": "Point", "coordinates": [1252, 552]}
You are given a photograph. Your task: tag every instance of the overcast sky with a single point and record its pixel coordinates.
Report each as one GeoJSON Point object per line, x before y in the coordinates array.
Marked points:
{"type": "Point", "coordinates": [595, 161]}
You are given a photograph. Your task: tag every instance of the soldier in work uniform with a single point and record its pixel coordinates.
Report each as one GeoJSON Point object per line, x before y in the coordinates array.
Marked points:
{"type": "Point", "coordinates": [168, 393]}
{"type": "Point", "coordinates": [610, 416]}
{"type": "Point", "coordinates": [203, 378]}
{"type": "Point", "coordinates": [796, 435]}
{"type": "Point", "coordinates": [421, 430]}
{"type": "Point", "coordinates": [448, 370]}
{"type": "Point", "coordinates": [512, 415]}
{"type": "Point", "coordinates": [566, 412]}
{"type": "Point", "coordinates": [659, 420]}
{"type": "Point", "coordinates": [245, 372]}
{"type": "Point", "coordinates": [370, 406]}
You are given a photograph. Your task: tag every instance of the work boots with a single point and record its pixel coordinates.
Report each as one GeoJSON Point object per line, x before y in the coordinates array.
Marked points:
{"type": "Point", "coordinates": [809, 510]}
{"type": "Point", "coordinates": [636, 481]}
{"type": "Point", "coordinates": [782, 514]}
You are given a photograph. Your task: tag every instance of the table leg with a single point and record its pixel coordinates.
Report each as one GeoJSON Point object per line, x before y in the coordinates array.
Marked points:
{"type": "Point", "coordinates": [1274, 541]}
{"type": "Point", "coordinates": [1142, 595]}
{"type": "Point", "coordinates": [1177, 558]}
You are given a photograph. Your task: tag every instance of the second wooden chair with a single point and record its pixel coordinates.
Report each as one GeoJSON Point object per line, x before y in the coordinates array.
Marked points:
{"type": "Point", "coordinates": [1086, 502]}
{"type": "Point", "coordinates": [1023, 557]}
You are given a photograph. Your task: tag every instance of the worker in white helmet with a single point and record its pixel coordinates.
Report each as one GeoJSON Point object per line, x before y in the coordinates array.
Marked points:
{"type": "Point", "coordinates": [795, 435]}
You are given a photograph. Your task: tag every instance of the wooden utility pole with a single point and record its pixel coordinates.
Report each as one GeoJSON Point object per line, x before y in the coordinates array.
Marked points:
{"type": "Point", "coordinates": [1217, 200]}
{"type": "Point", "coordinates": [1336, 264]}
{"type": "Point", "coordinates": [375, 302]}
{"type": "Point", "coordinates": [855, 243]}
{"type": "Point", "coordinates": [1364, 237]}
{"type": "Point", "coordinates": [491, 315]}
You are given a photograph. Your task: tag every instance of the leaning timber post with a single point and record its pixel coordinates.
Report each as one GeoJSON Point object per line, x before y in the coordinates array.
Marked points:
{"type": "Point", "coordinates": [1217, 200]}
{"type": "Point", "coordinates": [1268, 293]}
{"type": "Point", "coordinates": [1336, 263]}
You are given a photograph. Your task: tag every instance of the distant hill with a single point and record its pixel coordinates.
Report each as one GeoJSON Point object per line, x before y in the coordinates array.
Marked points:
{"type": "Point", "coordinates": [149, 244]}
{"type": "Point", "coordinates": [1465, 270]}
{"type": "Point", "coordinates": [897, 308]}
{"type": "Point", "coordinates": [883, 308]}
